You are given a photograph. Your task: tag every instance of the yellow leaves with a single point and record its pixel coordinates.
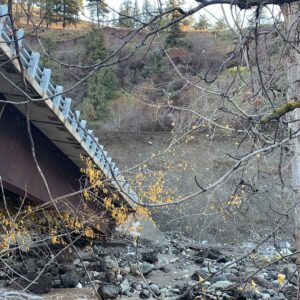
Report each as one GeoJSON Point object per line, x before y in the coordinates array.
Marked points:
{"type": "Point", "coordinates": [53, 237]}
{"type": "Point", "coordinates": [281, 278]}
{"type": "Point", "coordinates": [89, 233]}
{"type": "Point", "coordinates": [77, 224]}
{"type": "Point", "coordinates": [235, 200]}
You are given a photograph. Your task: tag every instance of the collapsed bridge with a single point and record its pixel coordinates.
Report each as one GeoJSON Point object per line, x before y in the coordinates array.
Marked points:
{"type": "Point", "coordinates": [60, 136]}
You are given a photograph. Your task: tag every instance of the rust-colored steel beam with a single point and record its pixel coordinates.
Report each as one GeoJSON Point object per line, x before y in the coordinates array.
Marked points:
{"type": "Point", "coordinates": [20, 174]}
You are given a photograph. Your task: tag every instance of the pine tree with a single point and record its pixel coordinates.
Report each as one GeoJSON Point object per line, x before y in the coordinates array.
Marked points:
{"type": "Point", "coordinates": [146, 10]}
{"type": "Point", "coordinates": [47, 12]}
{"type": "Point", "coordinates": [136, 14]}
{"type": "Point", "coordinates": [67, 11]}
{"type": "Point", "coordinates": [174, 38]}
{"type": "Point", "coordinates": [98, 10]}
{"type": "Point", "coordinates": [221, 24]}
{"type": "Point", "coordinates": [102, 86]}
{"type": "Point", "coordinates": [202, 23]}
{"type": "Point", "coordinates": [126, 14]}
{"type": "Point", "coordinates": [101, 89]}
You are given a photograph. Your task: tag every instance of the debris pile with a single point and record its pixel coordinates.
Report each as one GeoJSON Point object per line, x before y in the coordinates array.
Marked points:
{"type": "Point", "coordinates": [179, 269]}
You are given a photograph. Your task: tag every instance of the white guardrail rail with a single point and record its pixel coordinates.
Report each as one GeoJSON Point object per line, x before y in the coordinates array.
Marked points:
{"type": "Point", "coordinates": [42, 76]}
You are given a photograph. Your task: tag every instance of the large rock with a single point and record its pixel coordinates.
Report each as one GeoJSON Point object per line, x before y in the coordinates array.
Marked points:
{"type": "Point", "coordinates": [42, 285]}
{"type": "Point", "coordinates": [108, 291]}
{"type": "Point", "coordinates": [70, 280]}
{"type": "Point", "coordinates": [99, 266]}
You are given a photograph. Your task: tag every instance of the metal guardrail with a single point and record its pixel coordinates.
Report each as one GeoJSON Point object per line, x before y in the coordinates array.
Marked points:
{"type": "Point", "coordinates": [42, 76]}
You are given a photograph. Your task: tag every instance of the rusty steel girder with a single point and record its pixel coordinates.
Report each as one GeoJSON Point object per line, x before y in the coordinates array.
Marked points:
{"type": "Point", "coordinates": [20, 174]}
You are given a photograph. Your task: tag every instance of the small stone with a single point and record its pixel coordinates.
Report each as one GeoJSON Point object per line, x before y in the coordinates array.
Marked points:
{"type": "Point", "coordinates": [222, 285]}
{"type": "Point", "coordinates": [125, 287]}
{"type": "Point", "coordinates": [85, 264]}
{"type": "Point", "coordinates": [108, 291]}
{"type": "Point", "coordinates": [265, 296]}
{"type": "Point", "coordinates": [218, 278]}
{"type": "Point", "coordinates": [150, 257]}
{"type": "Point", "coordinates": [76, 261]}
{"type": "Point", "coordinates": [134, 269]}
{"type": "Point", "coordinates": [79, 286]}
{"type": "Point", "coordinates": [164, 292]}
{"type": "Point", "coordinates": [146, 268]}
{"type": "Point", "coordinates": [111, 264]}
{"type": "Point", "coordinates": [154, 289]}
{"type": "Point", "coordinates": [56, 283]}
{"type": "Point", "coordinates": [30, 265]}
{"type": "Point", "coordinates": [165, 269]}
{"type": "Point", "coordinates": [126, 270]}
{"type": "Point", "coordinates": [145, 294]}
{"type": "Point", "coordinates": [119, 277]}
{"type": "Point", "coordinates": [110, 276]}
{"type": "Point", "coordinates": [138, 287]}
{"type": "Point", "coordinates": [199, 273]}
{"type": "Point", "coordinates": [199, 261]}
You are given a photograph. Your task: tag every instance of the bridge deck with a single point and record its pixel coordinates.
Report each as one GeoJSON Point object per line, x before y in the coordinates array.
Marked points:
{"type": "Point", "coordinates": [49, 110]}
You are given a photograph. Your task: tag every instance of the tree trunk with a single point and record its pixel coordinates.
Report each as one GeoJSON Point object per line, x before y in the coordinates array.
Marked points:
{"type": "Point", "coordinates": [292, 65]}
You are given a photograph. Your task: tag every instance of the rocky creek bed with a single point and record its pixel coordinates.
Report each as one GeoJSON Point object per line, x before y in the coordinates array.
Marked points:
{"type": "Point", "coordinates": [178, 269]}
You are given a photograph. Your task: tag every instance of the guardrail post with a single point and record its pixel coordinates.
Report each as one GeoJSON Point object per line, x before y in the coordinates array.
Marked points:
{"type": "Point", "coordinates": [20, 36]}
{"type": "Point", "coordinates": [66, 107]}
{"type": "Point", "coordinates": [58, 91]}
{"type": "Point", "coordinates": [116, 171]}
{"type": "Point", "coordinates": [89, 138]}
{"type": "Point", "coordinates": [33, 63]}
{"type": "Point", "coordinates": [82, 127]}
{"type": "Point", "coordinates": [45, 79]}
{"type": "Point", "coordinates": [3, 10]}
{"type": "Point", "coordinates": [95, 145]}
{"type": "Point", "coordinates": [76, 119]}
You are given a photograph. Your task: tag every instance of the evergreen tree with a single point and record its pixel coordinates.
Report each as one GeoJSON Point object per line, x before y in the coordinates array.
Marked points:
{"type": "Point", "coordinates": [67, 11]}
{"type": "Point", "coordinates": [263, 17]}
{"type": "Point", "coordinates": [102, 86]}
{"type": "Point", "coordinates": [136, 14]}
{"type": "Point", "coordinates": [221, 24]}
{"type": "Point", "coordinates": [98, 10]}
{"type": "Point", "coordinates": [202, 23]}
{"type": "Point", "coordinates": [47, 12]}
{"type": "Point", "coordinates": [101, 89]}
{"type": "Point", "coordinates": [174, 39]}
{"type": "Point", "coordinates": [126, 14]}
{"type": "Point", "coordinates": [94, 49]}
{"type": "Point", "coordinates": [146, 10]}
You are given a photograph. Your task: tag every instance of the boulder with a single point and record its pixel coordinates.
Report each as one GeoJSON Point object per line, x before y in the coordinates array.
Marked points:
{"type": "Point", "coordinates": [108, 291]}
{"type": "Point", "coordinates": [70, 280]}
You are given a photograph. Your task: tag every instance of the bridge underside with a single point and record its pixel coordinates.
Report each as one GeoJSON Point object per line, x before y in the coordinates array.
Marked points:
{"type": "Point", "coordinates": [20, 174]}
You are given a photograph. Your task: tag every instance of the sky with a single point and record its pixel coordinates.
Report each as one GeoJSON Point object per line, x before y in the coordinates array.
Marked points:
{"type": "Point", "coordinates": [213, 12]}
